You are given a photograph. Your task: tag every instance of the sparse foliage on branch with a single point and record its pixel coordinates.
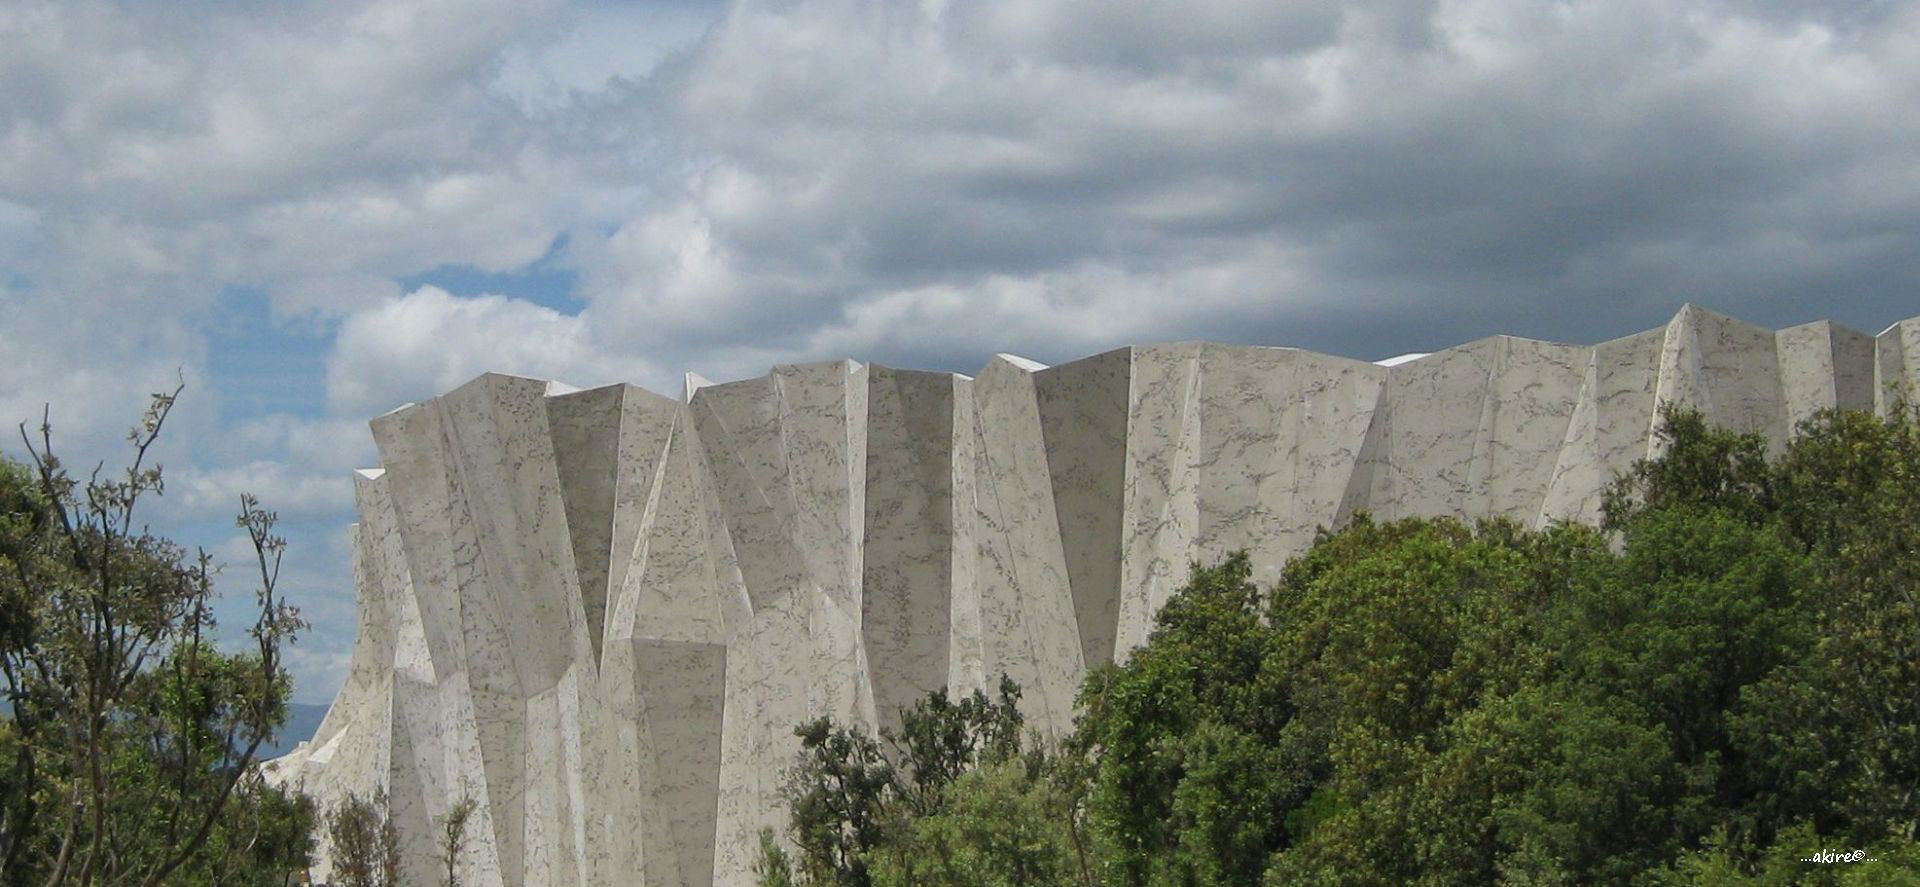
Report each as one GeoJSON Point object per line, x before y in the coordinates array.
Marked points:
{"type": "Point", "coordinates": [364, 845]}
{"type": "Point", "coordinates": [453, 836]}
{"type": "Point", "coordinates": [129, 738]}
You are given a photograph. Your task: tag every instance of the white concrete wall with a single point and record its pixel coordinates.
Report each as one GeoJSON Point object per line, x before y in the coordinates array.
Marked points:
{"type": "Point", "coordinates": [601, 613]}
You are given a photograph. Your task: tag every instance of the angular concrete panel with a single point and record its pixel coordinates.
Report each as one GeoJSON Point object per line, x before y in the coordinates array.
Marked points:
{"type": "Point", "coordinates": [1330, 421]}
{"type": "Point", "coordinates": [648, 422]}
{"type": "Point", "coordinates": [682, 698]}
{"type": "Point", "coordinates": [739, 428]}
{"type": "Point", "coordinates": [1083, 423]}
{"type": "Point", "coordinates": [1028, 628]}
{"type": "Point", "coordinates": [907, 571]}
{"type": "Point", "coordinates": [1280, 442]}
{"type": "Point", "coordinates": [1896, 367]}
{"type": "Point", "coordinates": [1727, 369]}
{"type": "Point", "coordinates": [1160, 520]}
{"type": "Point", "coordinates": [680, 582]}
{"type": "Point", "coordinates": [585, 427]}
{"type": "Point", "coordinates": [966, 656]}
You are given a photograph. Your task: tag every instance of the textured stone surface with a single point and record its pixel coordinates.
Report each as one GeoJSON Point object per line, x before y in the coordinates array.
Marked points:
{"type": "Point", "coordinates": [601, 613]}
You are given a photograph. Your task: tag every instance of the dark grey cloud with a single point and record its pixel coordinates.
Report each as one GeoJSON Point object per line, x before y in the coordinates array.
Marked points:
{"type": "Point", "coordinates": [927, 184]}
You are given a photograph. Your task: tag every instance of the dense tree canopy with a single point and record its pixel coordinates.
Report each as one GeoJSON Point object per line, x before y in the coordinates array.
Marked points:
{"type": "Point", "coordinates": [1716, 685]}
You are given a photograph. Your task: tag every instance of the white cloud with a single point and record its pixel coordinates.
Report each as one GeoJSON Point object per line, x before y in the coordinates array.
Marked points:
{"type": "Point", "coordinates": [314, 150]}
{"type": "Point", "coordinates": [592, 45]}
{"type": "Point", "coordinates": [155, 160]}
{"type": "Point", "coordinates": [93, 376]}
{"type": "Point", "coordinates": [280, 486]}
{"type": "Point", "coordinates": [430, 341]}
{"type": "Point", "coordinates": [337, 444]}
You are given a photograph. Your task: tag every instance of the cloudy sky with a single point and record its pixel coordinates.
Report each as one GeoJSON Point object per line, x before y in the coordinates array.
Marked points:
{"type": "Point", "coordinates": [316, 210]}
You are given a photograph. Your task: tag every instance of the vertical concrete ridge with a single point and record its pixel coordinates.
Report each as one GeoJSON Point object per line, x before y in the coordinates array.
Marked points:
{"type": "Point", "coordinates": [1823, 365]}
{"type": "Point", "coordinates": [672, 587]}
{"type": "Point", "coordinates": [1896, 369]}
{"type": "Point", "coordinates": [585, 429]}
{"type": "Point", "coordinates": [1374, 451]}
{"type": "Point", "coordinates": [649, 426]}
{"type": "Point", "coordinates": [1576, 465]}
{"type": "Point", "coordinates": [966, 653]}
{"type": "Point", "coordinates": [682, 693]}
{"type": "Point", "coordinates": [1333, 406]}
{"type": "Point", "coordinates": [1535, 391]}
{"type": "Point", "coordinates": [908, 563]}
{"type": "Point", "coordinates": [381, 555]}
{"type": "Point", "coordinates": [1082, 407]}
{"type": "Point", "coordinates": [738, 425]}
{"type": "Point", "coordinates": [1161, 516]}
{"type": "Point", "coordinates": [600, 613]}
{"type": "Point", "coordinates": [1028, 629]}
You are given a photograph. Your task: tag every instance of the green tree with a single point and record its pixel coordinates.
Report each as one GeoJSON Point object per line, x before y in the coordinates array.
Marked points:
{"type": "Point", "coordinates": [364, 845]}
{"type": "Point", "coordinates": [841, 800]}
{"type": "Point", "coordinates": [1191, 781]}
{"type": "Point", "coordinates": [1004, 824]}
{"type": "Point", "coordinates": [1721, 680]}
{"type": "Point", "coordinates": [853, 797]}
{"type": "Point", "coordinates": [1835, 735]}
{"type": "Point", "coordinates": [1865, 670]}
{"type": "Point", "coordinates": [939, 739]}
{"type": "Point", "coordinates": [1699, 467]}
{"type": "Point", "coordinates": [266, 839]}
{"type": "Point", "coordinates": [1759, 618]}
{"type": "Point", "coordinates": [1885, 863]}
{"type": "Point", "coordinates": [453, 836]}
{"type": "Point", "coordinates": [129, 738]}
{"type": "Point", "coordinates": [1412, 647]}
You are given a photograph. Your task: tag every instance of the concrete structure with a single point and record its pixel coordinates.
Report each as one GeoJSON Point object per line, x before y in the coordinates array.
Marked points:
{"type": "Point", "coordinates": [601, 613]}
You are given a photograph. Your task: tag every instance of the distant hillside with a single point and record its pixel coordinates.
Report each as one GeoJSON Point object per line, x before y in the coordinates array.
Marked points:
{"type": "Point", "coordinates": [302, 720]}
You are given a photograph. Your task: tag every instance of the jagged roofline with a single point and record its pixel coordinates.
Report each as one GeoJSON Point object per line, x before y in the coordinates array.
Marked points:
{"type": "Point", "coordinates": [695, 381]}
{"type": "Point", "coordinates": [599, 612]}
